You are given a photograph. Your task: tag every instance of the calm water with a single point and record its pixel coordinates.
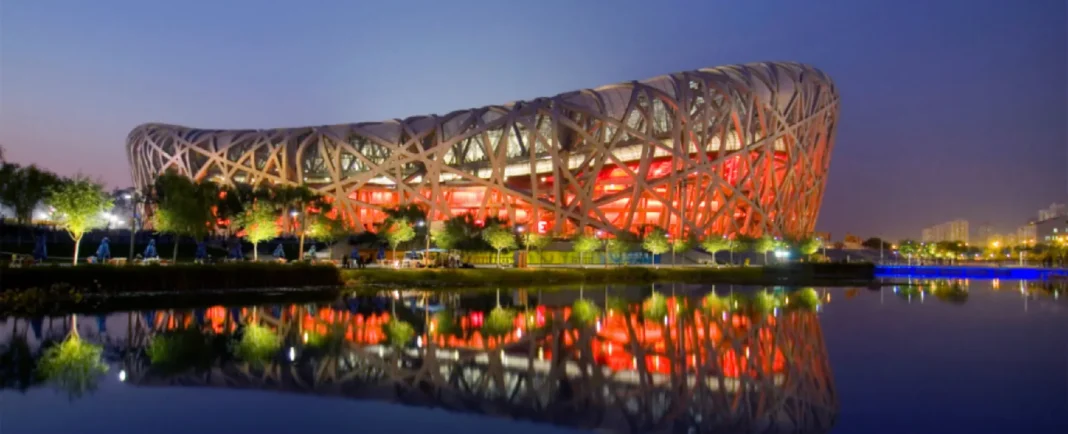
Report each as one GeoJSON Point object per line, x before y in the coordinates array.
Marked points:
{"type": "Point", "coordinates": [946, 356]}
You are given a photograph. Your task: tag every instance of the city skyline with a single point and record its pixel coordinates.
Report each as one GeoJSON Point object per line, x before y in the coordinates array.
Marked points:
{"type": "Point", "coordinates": [956, 109]}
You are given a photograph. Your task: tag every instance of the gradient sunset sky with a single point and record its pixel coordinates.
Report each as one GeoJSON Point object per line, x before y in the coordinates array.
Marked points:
{"type": "Point", "coordinates": [950, 108]}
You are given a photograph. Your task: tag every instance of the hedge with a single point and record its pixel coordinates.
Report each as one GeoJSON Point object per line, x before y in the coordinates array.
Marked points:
{"type": "Point", "coordinates": [156, 278]}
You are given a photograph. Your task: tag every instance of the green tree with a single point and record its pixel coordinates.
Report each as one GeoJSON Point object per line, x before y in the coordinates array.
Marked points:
{"type": "Point", "coordinates": [680, 245]}
{"type": "Point", "coordinates": [417, 217]}
{"type": "Point", "coordinates": [585, 244]}
{"type": "Point", "coordinates": [184, 207]}
{"type": "Point", "coordinates": [715, 244]}
{"type": "Point", "coordinates": [399, 230]}
{"type": "Point", "coordinates": [235, 200]}
{"type": "Point", "coordinates": [763, 245]}
{"type": "Point", "coordinates": [297, 204]}
{"type": "Point", "coordinates": [622, 244]}
{"type": "Point", "coordinates": [79, 205]}
{"type": "Point", "coordinates": [320, 227]}
{"type": "Point", "coordinates": [875, 243]}
{"type": "Point", "coordinates": [459, 233]}
{"type": "Point", "coordinates": [22, 188]}
{"type": "Point", "coordinates": [499, 237]}
{"type": "Point", "coordinates": [656, 242]}
{"type": "Point", "coordinates": [260, 223]}
{"type": "Point", "coordinates": [908, 248]}
{"type": "Point", "coordinates": [532, 239]}
{"type": "Point", "coordinates": [809, 246]}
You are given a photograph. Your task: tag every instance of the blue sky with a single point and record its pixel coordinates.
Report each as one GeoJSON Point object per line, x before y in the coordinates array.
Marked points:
{"type": "Point", "coordinates": [950, 108]}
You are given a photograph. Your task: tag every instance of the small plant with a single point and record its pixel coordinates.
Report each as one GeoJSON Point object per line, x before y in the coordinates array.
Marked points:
{"type": "Point", "coordinates": [399, 333]}
{"type": "Point", "coordinates": [445, 324]}
{"type": "Point", "coordinates": [763, 302]}
{"type": "Point", "coordinates": [655, 307]}
{"type": "Point", "coordinates": [499, 322]}
{"type": "Point", "coordinates": [177, 351]}
{"type": "Point", "coordinates": [807, 299]}
{"type": "Point", "coordinates": [713, 303]}
{"type": "Point", "coordinates": [584, 313]}
{"type": "Point", "coordinates": [258, 344]}
{"type": "Point", "coordinates": [617, 305]}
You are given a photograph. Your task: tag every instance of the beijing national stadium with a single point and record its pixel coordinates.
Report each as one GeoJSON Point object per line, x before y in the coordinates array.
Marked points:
{"type": "Point", "coordinates": [741, 149]}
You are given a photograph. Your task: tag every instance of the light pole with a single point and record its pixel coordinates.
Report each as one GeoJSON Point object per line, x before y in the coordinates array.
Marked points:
{"type": "Point", "coordinates": [134, 201]}
{"type": "Point", "coordinates": [526, 245]}
{"type": "Point", "coordinates": [600, 236]}
{"type": "Point", "coordinates": [426, 252]}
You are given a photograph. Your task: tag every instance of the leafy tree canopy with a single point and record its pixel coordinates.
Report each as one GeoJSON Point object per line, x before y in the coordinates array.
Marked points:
{"type": "Point", "coordinates": [399, 230]}
{"type": "Point", "coordinates": [80, 205]}
{"type": "Point", "coordinates": [22, 188]}
{"type": "Point", "coordinates": [586, 244]}
{"type": "Point", "coordinates": [499, 237]}
{"type": "Point", "coordinates": [656, 242]}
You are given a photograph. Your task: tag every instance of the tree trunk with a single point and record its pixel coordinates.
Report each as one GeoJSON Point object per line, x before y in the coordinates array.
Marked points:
{"type": "Point", "coordinates": [765, 258]}
{"type": "Point", "coordinates": [174, 258]}
{"type": "Point", "coordinates": [394, 253]}
{"type": "Point", "coordinates": [731, 257]}
{"type": "Point", "coordinates": [300, 251]}
{"type": "Point", "coordinates": [673, 262]}
{"type": "Point", "coordinates": [133, 233]}
{"type": "Point", "coordinates": [255, 252]}
{"type": "Point", "coordinates": [77, 244]}
{"type": "Point", "coordinates": [498, 258]}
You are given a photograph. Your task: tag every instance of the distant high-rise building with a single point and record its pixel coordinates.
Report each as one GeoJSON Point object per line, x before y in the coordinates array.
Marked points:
{"type": "Point", "coordinates": [1053, 230]}
{"type": "Point", "coordinates": [956, 230]}
{"type": "Point", "coordinates": [1054, 211]}
{"type": "Point", "coordinates": [1027, 234]}
{"type": "Point", "coordinates": [984, 234]}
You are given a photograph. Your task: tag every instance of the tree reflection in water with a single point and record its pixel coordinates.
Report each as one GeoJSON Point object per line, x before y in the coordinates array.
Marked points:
{"type": "Point", "coordinates": [74, 366]}
{"type": "Point", "coordinates": [732, 363]}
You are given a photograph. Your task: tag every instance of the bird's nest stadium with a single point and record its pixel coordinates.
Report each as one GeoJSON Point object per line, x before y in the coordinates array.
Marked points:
{"type": "Point", "coordinates": [740, 149]}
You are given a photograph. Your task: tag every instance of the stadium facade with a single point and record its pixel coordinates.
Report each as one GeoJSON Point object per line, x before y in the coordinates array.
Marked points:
{"type": "Point", "coordinates": [740, 149]}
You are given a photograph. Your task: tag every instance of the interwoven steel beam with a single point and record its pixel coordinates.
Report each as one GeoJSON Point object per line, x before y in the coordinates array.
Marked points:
{"type": "Point", "coordinates": [738, 149]}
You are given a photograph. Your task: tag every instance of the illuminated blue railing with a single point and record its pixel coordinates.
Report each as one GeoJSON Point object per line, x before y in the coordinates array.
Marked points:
{"type": "Point", "coordinates": [970, 272]}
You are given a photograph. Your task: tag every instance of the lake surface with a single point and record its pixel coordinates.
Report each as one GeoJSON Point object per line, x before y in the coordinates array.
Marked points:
{"type": "Point", "coordinates": [935, 356]}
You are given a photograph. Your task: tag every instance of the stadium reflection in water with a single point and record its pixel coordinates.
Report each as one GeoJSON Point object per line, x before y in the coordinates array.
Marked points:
{"type": "Point", "coordinates": [670, 364]}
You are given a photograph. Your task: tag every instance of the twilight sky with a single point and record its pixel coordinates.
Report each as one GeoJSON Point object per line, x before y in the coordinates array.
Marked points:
{"type": "Point", "coordinates": [950, 108]}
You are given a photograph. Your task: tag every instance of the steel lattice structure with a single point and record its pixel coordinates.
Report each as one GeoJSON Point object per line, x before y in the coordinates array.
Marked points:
{"type": "Point", "coordinates": [738, 149]}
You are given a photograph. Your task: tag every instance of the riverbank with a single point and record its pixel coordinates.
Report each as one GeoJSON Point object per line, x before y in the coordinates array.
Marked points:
{"type": "Point", "coordinates": [45, 289]}
{"type": "Point", "coordinates": [788, 275]}
{"type": "Point", "coordinates": [181, 278]}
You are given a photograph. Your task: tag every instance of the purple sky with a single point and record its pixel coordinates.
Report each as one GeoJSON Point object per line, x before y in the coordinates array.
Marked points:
{"type": "Point", "coordinates": [950, 108]}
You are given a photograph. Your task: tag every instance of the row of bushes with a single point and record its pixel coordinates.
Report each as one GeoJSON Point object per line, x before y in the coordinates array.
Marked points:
{"type": "Point", "coordinates": [153, 278]}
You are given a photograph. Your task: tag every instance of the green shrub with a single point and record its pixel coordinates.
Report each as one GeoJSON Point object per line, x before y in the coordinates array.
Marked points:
{"type": "Point", "coordinates": [399, 333]}
{"type": "Point", "coordinates": [655, 307]}
{"type": "Point", "coordinates": [258, 344]}
{"type": "Point", "coordinates": [712, 303]}
{"type": "Point", "coordinates": [446, 324]}
{"type": "Point", "coordinates": [805, 298]}
{"type": "Point", "coordinates": [73, 365]}
{"type": "Point", "coordinates": [584, 313]}
{"type": "Point", "coordinates": [180, 350]}
{"type": "Point", "coordinates": [764, 302]}
{"type": "Point", "coordinates": [499, 322]}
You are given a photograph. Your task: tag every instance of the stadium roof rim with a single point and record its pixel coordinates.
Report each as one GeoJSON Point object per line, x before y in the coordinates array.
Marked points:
{"type": "Point", "coordinates": [734, 73]}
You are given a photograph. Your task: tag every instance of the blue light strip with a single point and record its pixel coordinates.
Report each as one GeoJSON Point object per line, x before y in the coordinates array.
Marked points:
{"type": "Point", "coordinates": [1021, 273]}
